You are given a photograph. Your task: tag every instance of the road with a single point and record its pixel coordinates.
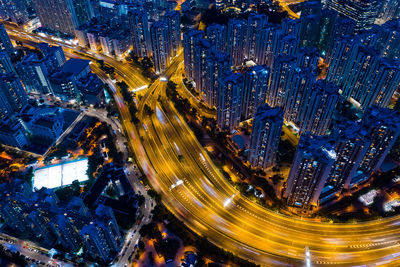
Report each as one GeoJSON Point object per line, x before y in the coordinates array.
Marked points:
{"type": "Point", "coordinates": [30, 250]}
{"type": "Point", "coordinates": [208, 204]}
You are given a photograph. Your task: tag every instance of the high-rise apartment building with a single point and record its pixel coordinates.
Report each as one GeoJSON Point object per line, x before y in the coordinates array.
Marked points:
{"type": "Point", "coordinates": [318, 107]}
{"type": "Point", "coordinates": [255, 25]}
{"type": "Point", "coordinates": [139, 25]}
{"type": "Point", "coordinates": [235, 41]}
{"type": "Point", "coordinates": [352, 142]}
{"type": "Point", "coordinates": [160, 41]}
{"type": "Point", "coordinates": [190, 40]}
{"type": "Point", "coordinates": [12, 94]}
{"type": "Point", "coordinates": [64, 15]}
{"type": "Point", "coordinates": [383, 126]}
{"type": "Point", "coordinates": [229, 100]}
{"type": "Point", "coordinates": [216, 35]}
{"type": "Point", "coordinates": [5, 63]}
{"type": "Point", "coordinates": [281, 77]}
{"type": "Point", "coordinates": [256, 80]}
{"type": "Point", "coordinates": [218, 63]}
{"type": "Point", "coordinates": [265, 136]}
{"type": "Point", "coordinates": [362, 12]}
{"type": "Point", "coordinates": [5, 42]}
{"type": "Point", "coordinates": [312, 163]}
{"type": "Point", "coordinates": [201, 51]}
{"type": "Point", "coordinates": [173, 21]}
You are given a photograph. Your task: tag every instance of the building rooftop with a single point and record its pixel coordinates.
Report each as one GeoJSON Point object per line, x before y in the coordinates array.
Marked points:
{"type": "Point", "coordinates": [75, 65]}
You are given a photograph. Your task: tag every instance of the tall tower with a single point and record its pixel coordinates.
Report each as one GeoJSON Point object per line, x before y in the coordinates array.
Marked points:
{"type": "Point", "coordinates": [281, 77]}
{"type": "Point", "coordinates": [255, 25]}
{"type": "Point", "coordinates": [318, 107]}
{"type": "Point", "coordinates": [139, 25]}
{"type": "Point", "coordinates": [173, 21]}
{"type": "Point", "coordinates": [190, 40]}
{"type": "Point", "coordinates": [383, 126]}
{"type": "Point", "coordinates": [12, 94]}
{"type": "Point", "coordinates": [265, 136]}
{"type": "Point", "coordinates": [160, 45]}
{"type": "Point", "coordinates": [5, 42]}
{"type": "Point", "coordinates": [229, 100]}
{"type": "Point", "coordinates": [256, 81]}
{"type": "Point", "coordinates": [217, 64]}
{"type": "Point", "coordinates": [352, 142]}
{"type": "Point", "coordinates": [216, 35]}
{"type": "Point", "coordinates": [236, 36]}
{"type": "Point", "coordinates": [310, 169]}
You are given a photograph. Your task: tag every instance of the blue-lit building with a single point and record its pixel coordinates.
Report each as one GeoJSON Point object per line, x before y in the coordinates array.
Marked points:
{"type": "Point", "coordinates": [281, 77]}
{"type": "Point", "coordinates": [255, 25]}
{"type": "Point", "coordinates": [351, 144]}
{"type": "Point", "coordinates": [173, 21]}
{"type": "Point", "coordinates": [34, 74]}
{"type": "Point", "coordinates": [190, 40]}
{"type": "Point", "coordinates": [265, 136]}
{"type": "Point", "coordinates": [318, 107]}
{"type": "Point", "coordinates": [12, 94]}
{"type": "Point", "coordinates": [310, 169]}
{"type": "Point", "coordinates": [256, 80]}
{"type": "Point", "coordinates": [201, 51]}
{"type": "Point", "coordinates": [235, 40]}
{"type": "Point", "coordinates": [5, 63]}
{"type": "Point", "coordinates": [218, 63]}
{"type": "Point", "coordinates": [383, 126]}
{"type": "Point", "coordinates": [229, 104]}
{"type": "Point", "coordinates": [160, 41]}
{"type": "Point", "coordinates": [5, 42]}
{"type": "Point", "coordinates": [300, 86]}
{"type": "Point", "coordinates": [363, 12]}
{"type": "Point", "coordinates": [216, 35]}
{"type": "Point", "coordinates": [139, 26]}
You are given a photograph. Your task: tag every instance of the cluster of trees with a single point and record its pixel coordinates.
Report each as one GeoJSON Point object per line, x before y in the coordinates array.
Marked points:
{"type": "Point", "coordinates": [168, 247]}
{"type": "Point", "coordinates": [180, 103]}
{"type": "Point", "coordinates": [189, 238]}
{"type": "Point", "coordinates": [106, 68]}
{"type": "Point", "coordinates": [14, 257]}
{"type": "Point", "coordinates": [128, 98]}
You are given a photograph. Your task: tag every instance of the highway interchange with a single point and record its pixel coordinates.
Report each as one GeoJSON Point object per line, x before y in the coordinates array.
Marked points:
{"type": "Point", "coordinates": [209, 205]}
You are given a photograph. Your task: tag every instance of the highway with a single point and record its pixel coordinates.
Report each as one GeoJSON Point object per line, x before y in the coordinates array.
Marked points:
{"type": "Point", "coordinates": [208, 204]}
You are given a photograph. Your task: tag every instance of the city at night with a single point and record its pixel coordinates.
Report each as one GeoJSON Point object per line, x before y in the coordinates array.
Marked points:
{"type": "Point", "coordinates": [216, 133]}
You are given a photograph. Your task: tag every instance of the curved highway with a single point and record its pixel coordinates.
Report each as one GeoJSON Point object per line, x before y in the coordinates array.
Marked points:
{"type": "Point", "coordinates": [197, 193]}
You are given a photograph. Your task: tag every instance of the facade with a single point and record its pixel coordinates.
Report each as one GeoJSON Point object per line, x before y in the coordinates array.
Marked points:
{"type": "Point", "coordinates": [5, 63]}
{"type": "Point", "coordinates": [235, 40]}
{"type": "Point", "coordinates": [300, 87]}
{"type": "Point", "coordinates": [352, 142]}
{"type": "Point", "coordinates": [34, 75]}
{"type": "Point", "coordinates": [201, 51]}
{"type": "Point", "coordinates": [190, 40]}
{"type": "Point", "coordinates": [255, 25]}
{"type": "Point", "coordinates": [139, 25]}
{"type": "Point", "coordinates": [281, 77]}
{"type": "Point", "coordinates": [363, 12]}
{"type": "Point", "coordinates": [60, 15]}
{"type": "Point", "coordinates": [310, 170]}
{"type": "Point", "coordinates": [217, 64]}
{"type": "Point", "coordinates": [173, 21]}
{"type": "Point", "coordinates": [160, 41]}
{"type": "Point", "coordinates": [12, 133]}
{"type": "Point", "coordinates": [256, 80]}
{"type": "Point", "coordinates": [383, 126]}
{"type": "Point", "coordinates": [12, 94]}
{"type": "Point", "coordinates": [216, 35]}
{"type": "Point", "coordinates": [229, 100]}
{"type": "Point", "coordinates": [318, 107]}
{"type": "Point", "coordinates": [265, 136]}
{"type": "Point", "coordinates": [5, 42]}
